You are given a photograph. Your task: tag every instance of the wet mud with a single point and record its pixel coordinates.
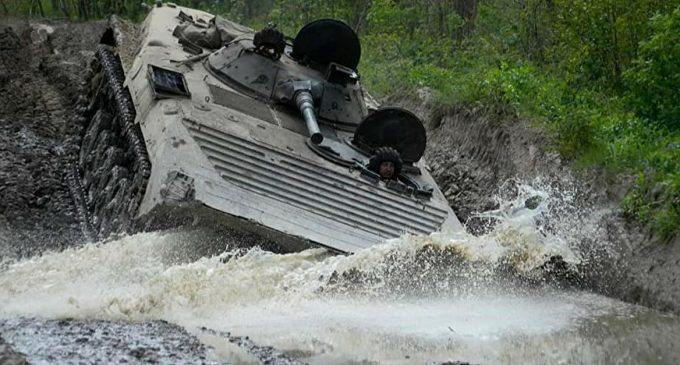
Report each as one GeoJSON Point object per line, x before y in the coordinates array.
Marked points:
{"type": "Point", "coordinates": [66, 340]}
{"type": "Point", "coordinates": [41, 68]}
{"type": "Point", "coordinates": [122, 342]}
{"type": "Point", "coordinates": [9, 356]}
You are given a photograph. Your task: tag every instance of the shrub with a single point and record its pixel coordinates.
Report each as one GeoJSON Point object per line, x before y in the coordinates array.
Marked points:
{"type": "Point", "coordinates": [654, 80]}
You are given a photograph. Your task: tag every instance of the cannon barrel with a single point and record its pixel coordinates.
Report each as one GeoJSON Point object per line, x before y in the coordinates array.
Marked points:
{"type": "Point", "coordinates": [305, 103]}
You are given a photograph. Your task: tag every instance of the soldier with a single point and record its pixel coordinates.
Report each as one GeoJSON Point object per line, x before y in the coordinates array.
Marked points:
{"type": "Point", "coordinates": [386, 163]}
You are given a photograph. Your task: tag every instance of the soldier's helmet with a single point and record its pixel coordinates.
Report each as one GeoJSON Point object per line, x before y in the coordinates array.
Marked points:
{"type": "Point", "coordinates": [385, 154]}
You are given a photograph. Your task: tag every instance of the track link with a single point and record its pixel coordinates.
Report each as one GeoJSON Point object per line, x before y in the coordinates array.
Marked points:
{"type": "Point", "coordinates": [109, 178]}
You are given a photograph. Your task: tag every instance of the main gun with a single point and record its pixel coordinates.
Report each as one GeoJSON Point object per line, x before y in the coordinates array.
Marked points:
{"type": "Point", "coordinates": [301, 95]}
{"type": "Point", "coordinates": [305, 103]}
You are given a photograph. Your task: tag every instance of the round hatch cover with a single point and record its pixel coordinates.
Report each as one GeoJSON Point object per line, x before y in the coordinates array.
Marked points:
{"type": "Point", "coordinates": [393, 127]}
{"type": "Point", "coordinates": [327, 40]}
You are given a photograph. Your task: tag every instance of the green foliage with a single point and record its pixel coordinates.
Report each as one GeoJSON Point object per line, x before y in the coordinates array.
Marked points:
{"type": "Point", "coordinates": [523, 88]}
{"type": "Point", "coordinates": [654, 78]}
{"type": "Point", "coordinates": [72, 9]}
{"type": "Point", "coordinates": [655, 198]}
{"type": "Point", "coordinates": [601, 76]}
{"type": "Point", "coordinates": [591, 42]}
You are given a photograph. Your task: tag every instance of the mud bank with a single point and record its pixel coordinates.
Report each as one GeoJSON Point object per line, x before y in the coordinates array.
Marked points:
{"type": "Point", "coordinates": [57, 341]}
{"type": "Point", "coordinates": [474, 154]}
{"type": "Point", "coordinates": [41, 66]}
{"type": "Point", "coordinates": [119, 342]}
{"type": "Point", "coordinates": [10, 357]}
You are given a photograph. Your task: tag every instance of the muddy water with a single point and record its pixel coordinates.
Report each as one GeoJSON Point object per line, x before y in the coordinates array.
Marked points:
{"type": "Point", "coordinates": [411, 300]}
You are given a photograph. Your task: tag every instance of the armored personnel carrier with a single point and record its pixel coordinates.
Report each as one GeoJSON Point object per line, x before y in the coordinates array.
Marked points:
{"type": "Point", "coordinates": [206, 122]}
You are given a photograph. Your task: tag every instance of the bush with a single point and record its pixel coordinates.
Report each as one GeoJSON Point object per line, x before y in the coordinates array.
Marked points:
{"type": "Point", "coordinates": [654, 79]}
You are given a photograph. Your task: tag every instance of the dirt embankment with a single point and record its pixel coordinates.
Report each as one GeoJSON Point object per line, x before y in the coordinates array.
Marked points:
{"type": "Point", "coordinates": [475, 155]}
{"type": "Point", "coordinates": [41, 70]}
{"type": "Point", "coordinates": [10, 357]}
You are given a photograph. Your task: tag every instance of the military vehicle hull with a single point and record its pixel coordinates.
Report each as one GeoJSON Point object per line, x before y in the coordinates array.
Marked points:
{"type": "Point", "coordinates": [211, 154]}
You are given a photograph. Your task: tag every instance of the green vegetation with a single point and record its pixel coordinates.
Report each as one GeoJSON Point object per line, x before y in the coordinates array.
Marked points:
{"type": "Point", "coordinates": [602, 76]}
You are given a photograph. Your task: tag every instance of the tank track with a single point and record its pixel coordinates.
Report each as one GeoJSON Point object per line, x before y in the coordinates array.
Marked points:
{"type": "Point", "coordinates": [109, 177]}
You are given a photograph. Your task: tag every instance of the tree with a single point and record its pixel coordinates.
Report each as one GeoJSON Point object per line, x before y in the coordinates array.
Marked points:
{"type": "Point", "coordinates": [467, 10]}
{"type": "Point", "coordinates": [654, 79]}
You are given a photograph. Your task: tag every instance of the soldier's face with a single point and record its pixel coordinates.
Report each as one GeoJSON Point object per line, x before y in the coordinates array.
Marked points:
{"type": "Point", "coordinates": [387, 170]}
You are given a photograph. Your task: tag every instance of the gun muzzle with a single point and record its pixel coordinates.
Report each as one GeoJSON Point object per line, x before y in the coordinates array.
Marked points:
{"type": "Point", "coordinates": [305, 102]}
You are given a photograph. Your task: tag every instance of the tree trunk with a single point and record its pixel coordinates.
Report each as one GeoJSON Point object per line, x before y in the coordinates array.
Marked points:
{"type": "Point", "coordinates": [64, 8]}
{"type": "Point", "coordinates": [466, 9]}
{"type": "Point", "coordinates": [616, 54]}
{"type": "Point", "coordinates": [83, 9]}
{"type": "Point", "coordinates": [441, 18]}
{"type": "Point", "coordinates": [361, 17]}
{"type": "Point", "coordinates": [40, 8]}
{"type": "Point", "coordinates": [79, 7]}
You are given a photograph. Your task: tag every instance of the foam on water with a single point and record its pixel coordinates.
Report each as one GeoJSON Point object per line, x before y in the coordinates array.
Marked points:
{"type": "Point", "coordinates": [410, 300]}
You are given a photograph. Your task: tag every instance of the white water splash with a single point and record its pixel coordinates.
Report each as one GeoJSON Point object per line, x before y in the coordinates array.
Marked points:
{"type": "Point", "coordinates": [339, 309]}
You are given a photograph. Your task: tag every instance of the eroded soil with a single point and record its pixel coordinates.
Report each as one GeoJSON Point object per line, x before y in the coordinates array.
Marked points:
{"type": "Point", "coordinates": [41, 67]}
